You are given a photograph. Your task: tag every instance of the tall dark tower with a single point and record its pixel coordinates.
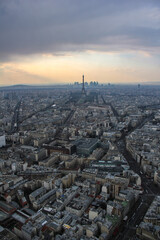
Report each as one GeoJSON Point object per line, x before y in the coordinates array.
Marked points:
{"type": "Point", "coordinates": [83, 88]}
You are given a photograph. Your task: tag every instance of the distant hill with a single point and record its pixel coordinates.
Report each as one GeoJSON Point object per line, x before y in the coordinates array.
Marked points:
{"type": "Point", "coordinates": [16, 86]}
{"type": "Point", "coordinates": [19, 85]}
{"type": "Point", "coordinates": [23, 86]}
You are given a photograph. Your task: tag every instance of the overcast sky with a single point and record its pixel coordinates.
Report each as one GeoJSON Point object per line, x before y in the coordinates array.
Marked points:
{"type": "Point", "coordinates": [56, 41]}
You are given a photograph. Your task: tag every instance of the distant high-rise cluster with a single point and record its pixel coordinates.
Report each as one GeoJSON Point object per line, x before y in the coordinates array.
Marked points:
{"type": "Point", "coordinates": [90, 84]}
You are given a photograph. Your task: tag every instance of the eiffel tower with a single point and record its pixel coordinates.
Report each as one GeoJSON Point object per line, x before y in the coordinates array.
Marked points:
{"type": "Point", "coordinates": [83, 88]}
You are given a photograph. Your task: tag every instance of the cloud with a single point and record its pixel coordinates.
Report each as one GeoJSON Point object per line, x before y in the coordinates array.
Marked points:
{"type": "Point", "coordinates": [11, 74]}
{"type": "Point", "coordinates": [59, 26]}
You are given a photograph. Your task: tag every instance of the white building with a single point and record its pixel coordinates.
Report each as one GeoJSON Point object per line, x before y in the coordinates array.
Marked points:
{"type": "Point", "coordinates": [2, 141]}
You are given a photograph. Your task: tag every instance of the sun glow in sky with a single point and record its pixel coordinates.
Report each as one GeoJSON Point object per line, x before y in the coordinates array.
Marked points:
{"type": "Point", "coordinates": [55, 42]}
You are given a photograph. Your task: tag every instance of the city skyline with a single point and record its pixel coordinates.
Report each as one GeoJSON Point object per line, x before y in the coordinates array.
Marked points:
{"type": "Point", "coordinates": [56, 42]}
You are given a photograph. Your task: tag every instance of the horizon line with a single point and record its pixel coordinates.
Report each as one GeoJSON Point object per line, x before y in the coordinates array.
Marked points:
{"type": "Point", "coordinates": [72, 84]}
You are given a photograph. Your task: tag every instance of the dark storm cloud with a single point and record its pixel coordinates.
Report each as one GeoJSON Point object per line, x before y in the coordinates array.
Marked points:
{"type": "Point", "coordinates": [53, 26]}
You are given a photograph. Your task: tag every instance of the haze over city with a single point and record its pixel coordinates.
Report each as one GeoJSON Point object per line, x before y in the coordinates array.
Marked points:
{"type": "Point", "coordinates": [55, 42]}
